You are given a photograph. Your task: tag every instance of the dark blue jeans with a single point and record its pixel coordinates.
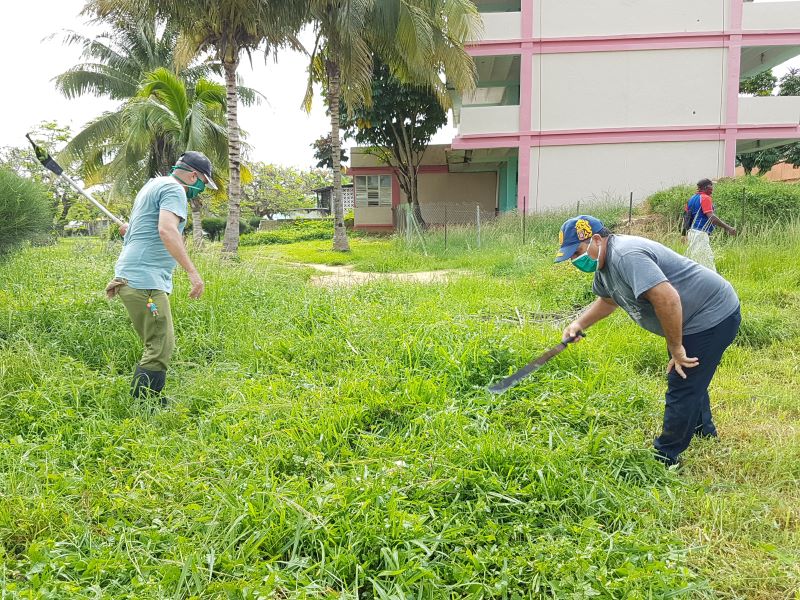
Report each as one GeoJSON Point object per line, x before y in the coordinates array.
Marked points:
{"type": "Point", "coordinates": [688, 408]}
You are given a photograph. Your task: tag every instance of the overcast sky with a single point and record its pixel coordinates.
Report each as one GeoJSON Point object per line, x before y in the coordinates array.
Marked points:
{"type": "Point", "coordinates": [279, 131]}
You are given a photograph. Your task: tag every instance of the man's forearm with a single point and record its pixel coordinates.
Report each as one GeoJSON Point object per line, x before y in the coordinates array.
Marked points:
{"type": "Point", "coordinates": [599, 309]}
{"type": "Point", "coordinates": [667, 305]}
{"type": "Point", "coordinates": [717, 222]}
{"type": "Point", "coordinates": [173, 242]}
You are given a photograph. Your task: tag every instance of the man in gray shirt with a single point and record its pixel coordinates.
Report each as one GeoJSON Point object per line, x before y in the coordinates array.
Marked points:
{"type": "Point", "coordinates": [696, 310]}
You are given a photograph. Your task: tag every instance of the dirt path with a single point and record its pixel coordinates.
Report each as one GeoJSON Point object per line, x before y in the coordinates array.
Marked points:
{"type": "Point", "coordinates": [345, 275]}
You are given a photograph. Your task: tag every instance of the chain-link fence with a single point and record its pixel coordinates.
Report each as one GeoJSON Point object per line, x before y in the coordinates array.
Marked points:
{"type": "Point", "coordinates": [442, 226]}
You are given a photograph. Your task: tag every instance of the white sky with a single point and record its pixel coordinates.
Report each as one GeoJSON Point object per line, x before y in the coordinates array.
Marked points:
{"type": "Point", "coordinates": [279, 131]}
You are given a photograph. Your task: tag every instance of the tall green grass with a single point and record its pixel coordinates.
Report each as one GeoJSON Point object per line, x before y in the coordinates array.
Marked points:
{"type": "Point", "coordinates": [326, 443]}
{"type": "Point", "coordinates": [744, 202]}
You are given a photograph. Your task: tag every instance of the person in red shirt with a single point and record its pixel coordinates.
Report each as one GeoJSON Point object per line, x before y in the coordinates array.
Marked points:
{"type": "Point", "coordinates": [699, 221]}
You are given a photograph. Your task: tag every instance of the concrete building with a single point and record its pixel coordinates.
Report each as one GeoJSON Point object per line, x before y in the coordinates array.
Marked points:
{"type": "Point", "coordinates": [585, 99]}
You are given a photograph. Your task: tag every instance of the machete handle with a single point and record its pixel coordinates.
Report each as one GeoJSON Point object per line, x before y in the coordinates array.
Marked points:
{"type": "Point", "coordinates": [574, 338]}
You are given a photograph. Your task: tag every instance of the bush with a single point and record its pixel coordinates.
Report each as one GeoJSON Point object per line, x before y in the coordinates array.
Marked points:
{"type": "Point", "coordinates": [214, 227]}
{"type": "Point", "coordinates": [294, 231]}
{"type": "Point", "coordinates": [254, 223]}
{"type": "Point", "coordinates": [766, 202]}
{"type": "Point", "coordinates": [26, 210]}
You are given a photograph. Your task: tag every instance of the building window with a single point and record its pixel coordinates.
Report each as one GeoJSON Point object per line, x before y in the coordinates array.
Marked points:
{"type": "Point", "coordinates": [373, 190]}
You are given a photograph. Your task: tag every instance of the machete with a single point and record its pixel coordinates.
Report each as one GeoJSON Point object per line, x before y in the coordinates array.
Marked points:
{"type": "Point", "coordinates": [533, 366]}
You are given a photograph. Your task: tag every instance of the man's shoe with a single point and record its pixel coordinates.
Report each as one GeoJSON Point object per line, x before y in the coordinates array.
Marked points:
{"type": "Point", "coordinates": [147, 383]}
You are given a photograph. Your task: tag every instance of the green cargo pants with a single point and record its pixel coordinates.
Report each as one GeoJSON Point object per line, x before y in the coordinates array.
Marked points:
{"type": "Point", "coordinates": [156, 332]}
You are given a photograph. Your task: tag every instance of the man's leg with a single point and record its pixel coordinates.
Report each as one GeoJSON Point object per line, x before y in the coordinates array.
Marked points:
{"type": "Point", "coordinates": [705, 424]}
{"type": "Point", "coordinates": [687, 399]}
{"type": "Point", "coordinates": [157, 335]}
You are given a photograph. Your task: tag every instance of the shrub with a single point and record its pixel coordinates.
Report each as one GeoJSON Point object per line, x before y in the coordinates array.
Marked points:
{"type": "Point", "coordinates": [765, 202]}
{"type": "Point", "coordinates": [214, 227]}
{"type": "Point", "coordinates": [294, 231]}
{"type": "Point", "coordinates": [26, 210]}
{"type": "Point", "coordinates": [254, 223]}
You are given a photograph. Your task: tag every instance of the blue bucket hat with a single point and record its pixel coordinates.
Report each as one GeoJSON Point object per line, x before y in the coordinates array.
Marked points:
{"type": "Point", "coordinates": [573, 232]}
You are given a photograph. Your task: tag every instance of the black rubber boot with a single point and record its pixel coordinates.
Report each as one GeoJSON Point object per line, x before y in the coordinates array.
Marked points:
{"type": "Point", "coordinates": [147, 383]}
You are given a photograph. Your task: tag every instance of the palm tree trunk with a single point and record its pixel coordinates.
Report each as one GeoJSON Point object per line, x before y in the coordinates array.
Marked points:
{"type": "Point", "coordinates": [230, 243]}
{"type": "Point", "coordinates": [340, 242]}
{"type": "Point", "coordinates": [197, 223]}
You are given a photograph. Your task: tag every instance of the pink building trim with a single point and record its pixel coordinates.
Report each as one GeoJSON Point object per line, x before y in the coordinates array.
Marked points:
{"type": "Point", "coordinates": [733, 38]}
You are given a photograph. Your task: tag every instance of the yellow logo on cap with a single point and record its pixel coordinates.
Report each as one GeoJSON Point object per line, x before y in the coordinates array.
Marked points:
{"type": "Point", "coordinates": [583, 229]}
{"type": "Point", "coordinates": [560, 238]}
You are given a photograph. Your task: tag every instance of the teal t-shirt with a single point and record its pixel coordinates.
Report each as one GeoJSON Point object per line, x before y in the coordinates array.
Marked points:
{"type": "Point", "coordinates": [145, 262]}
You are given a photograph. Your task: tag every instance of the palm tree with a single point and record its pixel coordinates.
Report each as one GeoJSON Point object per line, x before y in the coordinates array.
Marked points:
{"type": "Point", "coordinates": [136, 61]}
{"type": "Point", "coordinates": [226, 29]}
{"type": "Point", "coordinates": [418, 39]}
{"type": "Point", "coordinates": [182, 119]}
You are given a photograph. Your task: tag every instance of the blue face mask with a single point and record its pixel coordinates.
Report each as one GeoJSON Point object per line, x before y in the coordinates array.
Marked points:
{"type": "Point", "coordinates": [192, 191]}
{"type": "Point", "coordinates": [586, 263]}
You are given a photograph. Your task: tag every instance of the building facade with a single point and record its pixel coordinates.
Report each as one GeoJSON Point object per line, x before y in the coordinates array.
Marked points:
{"type": "Point", "coordinates": [602, 98]}
{"type": "Point", "coordinates": [587, 100]}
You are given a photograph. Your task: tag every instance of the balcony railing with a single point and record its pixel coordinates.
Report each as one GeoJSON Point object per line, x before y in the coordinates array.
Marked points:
{"type": "Point", "coordinates": [499, 26]}
{"type": "Point", "coordinates": [489, 119]}
{"type": "Point", "coordinates": [769, 110]}
{"type": "Point", "coordinates": [771, 15]}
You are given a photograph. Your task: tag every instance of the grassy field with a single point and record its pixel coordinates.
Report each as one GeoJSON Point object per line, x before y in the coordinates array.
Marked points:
{"type": "Point", "coordinates": [338, 442]}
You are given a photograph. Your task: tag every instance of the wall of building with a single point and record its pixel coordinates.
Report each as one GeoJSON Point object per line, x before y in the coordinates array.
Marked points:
{"type": "Point", "coordinates": [628, 89]}
{"type": "Point", "coordinates": [563, 175]}
{"type": "Point", "coordinates": [461, 192]}
{"type": "Point", "coordinates": [579, 18]}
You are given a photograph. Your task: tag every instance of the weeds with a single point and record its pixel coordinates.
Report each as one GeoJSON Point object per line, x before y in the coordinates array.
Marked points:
{"type": "Point", "coordinates": [339, 443]}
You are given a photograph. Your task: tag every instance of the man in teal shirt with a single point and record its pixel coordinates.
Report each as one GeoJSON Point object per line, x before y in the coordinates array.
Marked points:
{"type": "Point", "coordinates": [143, 274]}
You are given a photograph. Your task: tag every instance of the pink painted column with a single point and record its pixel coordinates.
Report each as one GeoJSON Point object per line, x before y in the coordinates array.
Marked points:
{"type": "Point", "coordinates": [524, 201]}
{"type": "Point", "coordinates": [734, 45]}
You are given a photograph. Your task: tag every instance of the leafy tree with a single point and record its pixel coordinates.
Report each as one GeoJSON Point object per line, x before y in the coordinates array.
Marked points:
{"type": "Point", "coordinates": [323, 152]}
{"type": "Point", "coordinates": [22, 161]}
{"type": "Point", "coordinates": [419, 39]}
{"type": "Point", "coordinates": [790, 83]}
{"type": "Point", "coordinates": [759, 85]}
{"type": "Point", "coordinates": [275, 189]}
{"type": "Point", "coordinates": [397, 127]}
{"type": "Point", "coordinates": [764, 160]}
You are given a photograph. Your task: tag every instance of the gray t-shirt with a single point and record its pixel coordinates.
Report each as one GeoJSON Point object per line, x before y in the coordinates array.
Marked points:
{"type": "Point", "coordinates": [634, 265]}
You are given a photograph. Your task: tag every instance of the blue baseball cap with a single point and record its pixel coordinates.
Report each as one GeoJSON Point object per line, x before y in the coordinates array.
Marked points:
{"type": "Point", "coordinates": [573, 232]}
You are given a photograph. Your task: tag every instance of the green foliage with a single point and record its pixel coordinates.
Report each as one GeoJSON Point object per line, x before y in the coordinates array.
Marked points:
{"type": "Point", "coordinates": [765, 202]}
{"type": "Point", "coordinates": [277, 189]}
{"type": "Point", "coordinates": [790, 83]}
{"type": "Point", "coordinates": [294, 231]}
{"type": "Point", "coordinates": [319, 441]}
{"type": "Point", "coordinates": [254, 223]}
{"type": "Point", "coordinates": [25, 210]}
{"type": "Point", "coordinates": [323, 150]}
{"type": "Point", "coordinates": [759, 85]}
{"type": "Point", "coordinates": [763, 160]}
{"type": "Point", "coordinates": [397, 126]}
{"type": "Point", "coordinates": [214, 227]}
{"type": "Point", "coordinates": [21, 160]}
